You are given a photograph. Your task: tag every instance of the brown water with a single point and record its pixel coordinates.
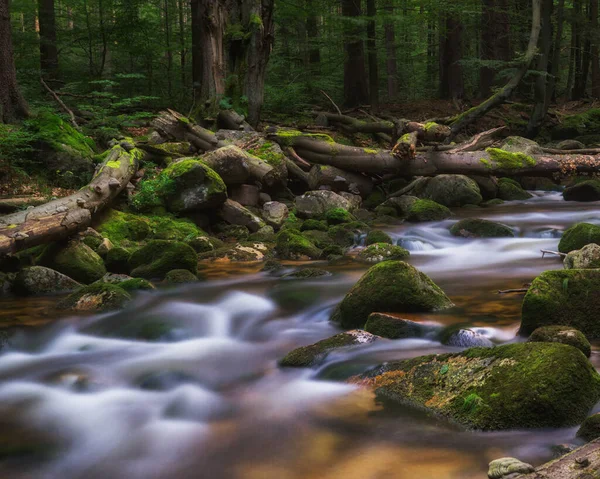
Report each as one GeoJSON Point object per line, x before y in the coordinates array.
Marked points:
{"type": "Point", "coordinates": [206, 399]}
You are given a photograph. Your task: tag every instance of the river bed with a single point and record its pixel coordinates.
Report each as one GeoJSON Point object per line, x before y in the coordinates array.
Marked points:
{"type": "Point", "coordinates": [204, 397]}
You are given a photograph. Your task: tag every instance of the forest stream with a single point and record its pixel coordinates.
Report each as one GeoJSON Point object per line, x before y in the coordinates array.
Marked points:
{"type": "Point", "coordinates": [207, 399]}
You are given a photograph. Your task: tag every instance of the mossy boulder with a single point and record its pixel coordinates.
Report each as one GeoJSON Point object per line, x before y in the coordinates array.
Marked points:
{"type": "Point", "coordinates": [427, 210]}
{"type": "Point", "coordinates": [320, 239]}
{"type": "Point", "coordinates": [117, 260]}
{"type": "Point", "coordinates": [338, 216]}
{"type": "Point", "coordinates": [315, 204]}
{"type": "Point", "coordinates": [563, 297]}
{"type": "Point", "coordinates": [391, 286]}
{"type": "Point", "coordinates": [136, 284]}
{"type": "Point", "coordinates": [488, 186]}
{"type": "Point", "coordinates": [178, 276]}
{"type": "Point", "coordinates": [478, 228]}
{"type": "Point", "coordinates": [585, 191]}
{"type": "Point", "coordinates": [383, 210]}
{"type": "Point", "coordinates": [318, 225]}
{"type": "Point", "coordinates": [518, 144]}
{"type": "Point", "coordinates": [392, 327]}
{"type": "Point", "coordinates": [158, 257]}
{"type": "Point", "coordinates": [74, 259]}
{"type": "Point", "coordinates": [578, 236]}
{"type": "Point", "coordinates": [347, 234]}
{"type": "Point", "coordinates": [539, 183]}
{"type": "Point", "coordinates": [202, 244]}
{"type": "Point", "coordinates": [247, 251]}
{"type": "Point", "coordinates": [378, 236]}
{"type": "Point", "coordinates": [510, 190]}
{"type": "Point", "coordinates": [516, 386]}
{"type": "Point", "coordinates": [235, 214]}
{"type": "Point", "coordinates": [563, 335]}
{"type": "Point", "coordinates": [449, 190]}
{"type": "Point", "coordinates": [587, 257]}
{"type": "Point", "coordinates": [378, 252]}
{"type": "Point", "coordinates": [40, 280]}
{"type": "Point", "coordinates": [315, 354]}
{"type": "Point", "coordinates": [401, 204]}
{"type": "Point", "coordinates": [291, 244]}
{"type": "Point", "coordinates": [590, 429]}
{"type": "Point", "coordinates": [96, 297]}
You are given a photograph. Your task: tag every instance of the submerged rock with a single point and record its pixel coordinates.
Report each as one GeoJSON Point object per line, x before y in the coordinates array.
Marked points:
{"type": "Point", "coordinates": [462, 337]}
{"type": "Point", "coordinates": [314, 354]}
{"type": "Point", "coordinates": [392, 286]}
{"type": "Point", "coordinates": [516, 386]}
{"type": "Point", "coordinates": [478, 228]}
{"type": "Point", "coordinates": [508, 466]}
{"type": "Point", "coordinates": [307, 273]}
{"type": "Point", "coordinates": [563, 335]}
{"type": "Point", "coordinates": [578, 236]}
{"type": "Point", "coordinates": [41, 280]}
{"type": "Point", "coordinates": [564, 297]}
{"type": "Point", "coordinates": [97, 297]}
{"type": "Point", "coordinates": [427, 210]}
{"type": "Point", "coordinates": [590, 429]}
{"type": "Point", "coordinates": [178, 276]}
{"type": "Point", "coordinates": [378, 252]}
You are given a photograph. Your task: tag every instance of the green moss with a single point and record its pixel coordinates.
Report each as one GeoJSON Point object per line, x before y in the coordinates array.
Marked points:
{"type": "Point", "coordinates": [531, 385]}
{"type": "Point", "coordinates": [159, 257]}
{"type": "Point", "coordinates": [370, 151]}
{"type": "Point", "coordinates": [136, 284]}
{"type": "Point", "coordinates": [510, 190]}
{"type": "Point", "coordinates": [117, 260]}
{"type": "Point", "coordinates": [96, 297]}
{"type": "Point", "coordinates": [583, 191]}
{"type": "Point", "coordinates": [292, 221]}
{"type": "Point", "coordinates": [178, 276]}
{"type": "Point", "coordinates": [392, 286]}
{"type": "Point", "coordinates": [267, 152]}
{"type": "Point", "coordinates": [320, 239]}
{"type": "Point", "coordinates": [563, 297]}
{"type": "Point", "coordinates": [51, 129]}
{"type": "Point", "coordinates": [478, 228]}
{"type": "Point", "coordinates": [430, 125]}
{"type": "Point", "coordinates": [374, 199]}
{"type": "Point", "coordinates": [378, 236]}
{"type": "Point", "coordinates": [338, 216]}
{"type": "Point", "coordinates": [92, 241]}
{"type": "Point", "coordinates": [307, 356]}
{"type": "Point", "coordinates": [581, 123]}
{"type": "Point", "coordinates": [317, 225]}
{"type": "Point", "coordinates": [427, 210]}
{"type": "Point", "coordinates": [578, 236]}
{"type": "Point", "coordinates": [485, 163]}
{"type": "Point", "coordinates": [590, 429]}
{"type": "Point", "coordinates": [510, 161]}
{"type": "Point", "coordinates": [378, 252]}
{"type": "Point", "coordinates": [563, 335]}
{"type": "Point", "coordinates": [290, 244]}
{"type": "Point", "coordinates": [390, 327]}
{"type": "Point", "coordinates": [382, 210]}
{"type": "Point", "coordinates": [288, 137]}
{"type": "Point", "coordinates": [74, 259]}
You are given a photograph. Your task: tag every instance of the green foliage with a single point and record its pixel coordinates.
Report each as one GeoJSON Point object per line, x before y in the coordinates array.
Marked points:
{"type": "Point", "coordinates": [151, 191]}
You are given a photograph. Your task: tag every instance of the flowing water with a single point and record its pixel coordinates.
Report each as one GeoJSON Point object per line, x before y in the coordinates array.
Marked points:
{"type": "Point", "coordinates": [184, 383]}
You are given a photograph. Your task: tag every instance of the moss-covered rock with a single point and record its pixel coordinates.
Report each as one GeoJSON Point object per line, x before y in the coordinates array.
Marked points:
{"type": "Point", "coordinates": [392, 327]}
{"type": "Point", "coordinates": [338, 216]}
{"type": "Point", "coordinates": [346, 235]}
{"type": "Point", "coordinates": [320, 239]}
{"type": "Point", "coordinates": [401, 204]}
{"type": "Point", "coordinates": [563, 335]}
{"type": "Point", "coordinates": [427, 210]}
{"type": "Point", "coordinates": [563, 297]}
{"type": "Point", "coordinates": [315, 204]}
{"type": "Point", "coordinates": [291, 244]}
{"type": "Point", "coordinates": [449, 190]}
{"type": "Point", "coordinates": [233, 232]}
{"type": "Point", "coordinates": [539, 183]}
{"type": "Point", "coordinates": [577, 125]}
{"type": "Point", "coordinates": [136, 284]}
{"type": "Point", "coordinates": [202, 244]}
{"type": "Point", "coordinates": [494, 202]}
{"type": "Point", "coordinates": [374, 199]}
{"type": "Point", "coordinates": [158, 257]}
{"type": "Point", "coordinates": [478, 228]}
{"type": "Point", "coordinates": [177, 276]}
{"type": "Point", "coordinates": [247, 251]}
{"type": "Point", "coordinates": [317, 225]}
{"type": "Point", "coordinates": [518, 144]}
{"type": "Point", "coordinates": [378, 236]}
{"type": "Point", "coordinates": [590, 429]}
{"type": "Point", "coordinates": [392, 286]}
{"type": "Point", "coordinates": [587, 257]}
{"type": "Point", "coordinates": [315, 354]}
{"type": "Point", "coordinates": [578, 236]}
{"type": "Point", "coordinates": [585, 191]}
{"type": "Point", "coordinates": [74, 259]}
{"type": "Point", "coordinates": [40, 280]}
{"type": "Point", "coordinates": [308, 273]}
{"type": "Point", "coordinates": [378, 252]}
{"type": "Point", "coordinates": [527, 385]}
{"type": "Point", "coordinates": [97, 297]}
{"type": "Point", "coordinates": [510, 190]}
{"type": "Point", "coordinates": [507, 468]}
{"type": "Point", "coordinates": [383, 210]}
{"type": "Point", "coordinates": [117, 260]}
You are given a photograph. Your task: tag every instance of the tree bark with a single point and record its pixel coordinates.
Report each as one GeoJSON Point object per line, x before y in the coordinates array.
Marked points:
{"type": "Point", "coordinates": [595, 50]}
{"type": "Point", "coordinates": [390, 52]}
{"type": "Point", "coordinates": [174, 126]}
{"type": "Point", "coordinates": [495, 41]}
{"type": "Point", "coordinates": [312, 34]}
{"type": "Point", "coordinates": [505, 93]}
{"type": "Point", "coordinates": [12, 103]}
{"type": "Point", "coordinates": [451, 75]}
{"type": "Point", "coordinates": [48, 49]}
{"type": "Point", "coordinates": [372, 56]}
{"type": "Point", "coordinates": [61, 218]}
{"type": "Point", "coordinates": [356, 91]}
{"type": "Point", "coordinates": [556, 54]}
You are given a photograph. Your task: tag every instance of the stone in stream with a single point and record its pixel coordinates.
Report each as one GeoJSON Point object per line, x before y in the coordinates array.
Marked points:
{"type": "Point", "coordinates": [234, 213]}
{"type": "Point", "coordinates": [392, 286]}
{"type": "Point", "coordinates": [563, 297]}
{"type": "Point", "coordinates": [40, 280]}
{"type": "Point", "coordinates": [590, 429]}
{"type": "Point", "coordinates": [97, 297]}
{"type": "Point", "coordinates": [290, 244]}
{"type": "Point", "coordinates": [585, 191]}
{"type": "Point", "coordinates": [510, 190]}
{"type": "Point", "coordinates": [507, 468]}
{"type": "Point", "coordinates": [314, 204]}
{"type": "Point", "coordinates": [275, 213]}
{"type": "Point", "coordinates": [401, 204]}
{"type": "Point", "coordinates": [159, 257]}
{"type": "Point", "coordinates": [564, 335]}
{"type": "Point", "coordinates": [587, 257]}
{"type": "Point", "coordinates": [478, 228]}
{"type": "Point", "coordinates": [377, 236]}
{"type": "Point", "coordinates": [427, 210]}
{"type": "Point", "coordinates": [392, 327]}
{"type": "Point", "coordinates": [307, 356]}
{"type": "Point", "coordinates": [449, 190]}
{"type": "Point", "coordinates": [378, 252]}
{"type": "Point", "coordinates": [578, 236]}
{"type": "Point", "coordinates": [515, 386]}
{"type": "Point", "coordinates": [74, 259]}
{"type": "Point", "coordinates": [178, 276]}
{"type": "Point", "coordinates": [461, 337]}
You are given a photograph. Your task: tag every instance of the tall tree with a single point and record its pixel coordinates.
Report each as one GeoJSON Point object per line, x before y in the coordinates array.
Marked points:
{"type": "Point", "coordinates": [451, 74]}
{"type": "Point", "coordinates": [595, 51]}
{"type": "Point", "coordinates": [372, 55]}
{"type": "Point", "coordinates": [312, 33]}
{"type": "Point", "coordinates": [48, 48]}
{"type": "Point", "coordinates": [356, 90]}
{"type": "Point", "coordinates": [13, 104]}
{"type": "Point", "coordinates": [495, 41]}
{"type": "Point", "coordinates": [390, 51]}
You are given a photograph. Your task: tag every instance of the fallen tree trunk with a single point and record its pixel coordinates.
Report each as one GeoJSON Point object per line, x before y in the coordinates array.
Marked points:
{"type": "Point", "coordinates": [490, 162]}
{"type": "Point", "coordinates": [174, 126]}
{"type": "Point", "coordinates": [63, 217]}
{"type": "Point", "coordinates": [582, 463]}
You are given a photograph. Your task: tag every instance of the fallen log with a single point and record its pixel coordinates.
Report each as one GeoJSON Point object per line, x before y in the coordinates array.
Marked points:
{"type": "Point", "coordinates": [174, 126]}
{"type": "Point", "coordinates": [63, 217]}
{"type": "Point", "coordinates": [339, 180]}
{"type": "Point", "coordinates": [322, 150]}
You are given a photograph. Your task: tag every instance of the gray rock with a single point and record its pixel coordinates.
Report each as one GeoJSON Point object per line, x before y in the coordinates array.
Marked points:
{"type": "Point", "coordinates": [42, 280]}
{"type": "Point", "coordinates": [275, 213]}
{"type": "Point", "coordinates": [314, 204]}
{"type": "Point", "coordinates": [234, 213]}
{"type": "Point", "coordinates": [464, 338]}
{"type": "Point", "coordinates": [505, 467]}
{"type": "Point", "coordinates": [449, 190]}
{"type": "Point", "coordinates": [587, 257]}
{"type": "Point", "coordinates": [518, 144]}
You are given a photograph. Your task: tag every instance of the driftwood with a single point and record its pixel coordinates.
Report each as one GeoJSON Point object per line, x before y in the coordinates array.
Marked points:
{"type": "Point", "coordinates": [378, 161]}
{"type": "Point", "coordinates": [480, 141]}
{"type": "Point", "coordinates": [557, 253]}
{"type": "Point", "coordinates": [174, 126]}
{"type": "Point", "coordinates": [61, 218]}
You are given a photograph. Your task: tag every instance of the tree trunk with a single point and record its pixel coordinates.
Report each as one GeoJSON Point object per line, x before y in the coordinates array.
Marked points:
{"type": "Point", "coordinates": [174, 126]}
{"type": "Point", "coordinates": [12, 103]}
{"type": "Point", "coordinates": [48, 50]}
{"type": "Point", "coordinates": [61, 218]}
{"type": "Point", "coordinates": [576, 32]}
{"type": "Point", "coordinates": [169, 51]}
{"type": "Point", "coordinates": [451, 75]}
{"type": "Point", "coordinates": [495, 41]}
{"type": "Point", "coordinates": [505, 93]}
{"type": "Point", "coordinates": [595, 50]}
{"type": "Point", "coordinates": [556, 54]}
{"type": "Point", "coordinates": [390, 51]}
{"type": "Point", "coordinates": [541, 106]}
{"type": "Point", "coordinates": [356, 91]}
{"type": "Point", "coordinates": [372, 56]}
{"type": "Point", "coordinates": [312, 33]}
